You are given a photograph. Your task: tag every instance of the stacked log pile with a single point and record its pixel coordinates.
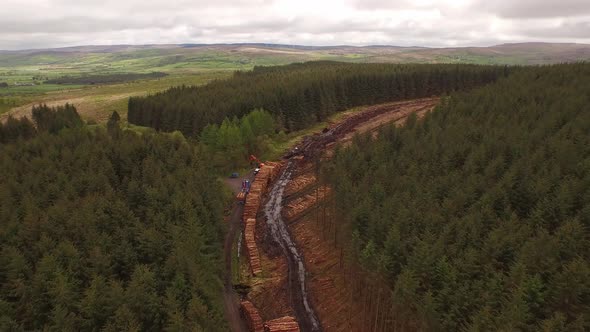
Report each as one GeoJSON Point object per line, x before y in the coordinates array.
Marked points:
{"type": "Point", "coordinates": [252, 204]}
{"type": "Point", "coordinates": [274, 170]}
{"type": "Point", "coordinates": [251, 248]}
{"type": "Point", "coordinates": [265, 176]}
{"type": "Point", "coordinates": [267, 173]}
{"type": "Point", "coordinates": [252, 317]}
{"type": "Point", "coordinates": [283, 324]}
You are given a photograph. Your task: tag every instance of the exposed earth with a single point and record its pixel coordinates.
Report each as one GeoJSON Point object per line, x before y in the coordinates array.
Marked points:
{"type": "Point", "coordinates": [304, 270]}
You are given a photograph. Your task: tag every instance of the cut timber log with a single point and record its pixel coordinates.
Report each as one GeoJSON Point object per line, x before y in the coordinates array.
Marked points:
{"type": "Point", "coordinates": [267, 173]}
{"type": "Point", "coordinates": [251, 316]}
{"type": "Point", "coordinates": [252, 205]}
{"type": "Point", "coordinates": [283, 324]}
{"type": "Point", "coordinates": [251, 248]}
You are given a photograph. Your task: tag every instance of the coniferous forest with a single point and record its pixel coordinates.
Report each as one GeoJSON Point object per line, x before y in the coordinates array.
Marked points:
{"type": "Point", "coordinates": [106, 230]}
{"type": "Point", "coordinates": [474, 218]}
{"type": "Point", "coordinates": [298, 95]}
{"type": "Point", "coordinates": [477, 217]}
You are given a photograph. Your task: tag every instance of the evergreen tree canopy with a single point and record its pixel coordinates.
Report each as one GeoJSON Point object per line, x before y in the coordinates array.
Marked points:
{"type": "Point", "coordinates": [46, 119]}
{"type": "Point", "coordinates": [53, 119]}
{"type": "Point", "coordinates": [298, 95]}
{"type": "Point", "coordinates": [108, 232]}
{"type": "Point", "coordinates": [478, 215]}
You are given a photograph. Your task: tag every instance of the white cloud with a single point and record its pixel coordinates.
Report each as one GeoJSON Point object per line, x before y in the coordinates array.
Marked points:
{"type": "Point", "coordinates": [53, 23]}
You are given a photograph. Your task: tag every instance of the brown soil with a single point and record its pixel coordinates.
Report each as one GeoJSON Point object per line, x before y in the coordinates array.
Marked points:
{"type": "Point", "coordinates": [398, 114]}
{"type": "Point", "coordinates": [331, 293]}
{"type": "Point", "coordinates": [283, 324]}
{"type": "Point", "coordinates": [327, 283]}
{"type": "Point", "coordinates": [251, 316]}
{"type": "Point", "coordinates": [269, 285]}
{"type": "Point", "coordinates": [301, 205]}
{"type": "Point", "coordinates": [269, 291]}
{"type": "Point", "coordinates": [299, 183]}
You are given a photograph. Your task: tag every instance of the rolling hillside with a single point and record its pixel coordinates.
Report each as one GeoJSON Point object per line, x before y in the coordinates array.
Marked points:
{"type": "Point", "coordinates": [29, 73]}
{"type": "Point", "coordinates": [144, 57]}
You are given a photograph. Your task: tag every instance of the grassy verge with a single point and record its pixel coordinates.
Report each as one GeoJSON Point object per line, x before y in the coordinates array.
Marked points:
{"type": "Point", "coordinates": [237, 261]}
{"type": "Point", "coordinates": [97, 102]}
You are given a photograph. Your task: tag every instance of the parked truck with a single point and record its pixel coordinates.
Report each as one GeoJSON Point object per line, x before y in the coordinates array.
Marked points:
{"type": "Point", "coordinates": [241, 197]}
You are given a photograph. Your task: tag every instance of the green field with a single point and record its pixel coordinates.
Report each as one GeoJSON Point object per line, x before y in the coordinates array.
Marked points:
{"type": "Point", "coordinates": [96, 102]}
{"type": "Point", "coordinates": [25, 71]}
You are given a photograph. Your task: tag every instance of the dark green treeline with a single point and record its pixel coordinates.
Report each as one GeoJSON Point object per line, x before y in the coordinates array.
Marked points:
{"type": "Point", "coordinates": [104, 79]}
{"type": "Point", "coordinates": [107, 230]}
{"type": "Point", "coordinates": [477, 218]}
{"type": "Point", "coordinates": [298, 95]}
{"type": "Point", "coordinates": [45, 119]}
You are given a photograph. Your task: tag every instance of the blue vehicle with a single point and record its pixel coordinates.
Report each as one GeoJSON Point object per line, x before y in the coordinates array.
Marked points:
{"type": "Point", "coordinates": [234, 175]}
{"type": "Point", "coordinates": [246, 185]}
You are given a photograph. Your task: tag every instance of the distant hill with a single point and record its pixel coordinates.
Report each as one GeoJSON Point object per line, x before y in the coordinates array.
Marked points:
{"type": "Point", "coordinates": [521, 53]}
{"type": "Point", "coordinates": [30, 73]}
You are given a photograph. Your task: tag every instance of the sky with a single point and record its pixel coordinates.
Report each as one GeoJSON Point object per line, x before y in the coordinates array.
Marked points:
{"type": "Point", "coordinates": [26, 24]}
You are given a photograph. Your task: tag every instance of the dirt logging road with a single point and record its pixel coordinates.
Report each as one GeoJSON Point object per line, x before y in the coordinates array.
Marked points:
{"type": "Point", "coordinates": [299, 299]}
{"type": "Point", "coordinates": [293, 274]}
{"type": "Point", "coordinates": [369, 119]}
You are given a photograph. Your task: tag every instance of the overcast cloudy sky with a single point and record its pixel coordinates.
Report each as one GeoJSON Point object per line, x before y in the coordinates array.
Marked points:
{"type": "Point", "coordinates": [56, 23]}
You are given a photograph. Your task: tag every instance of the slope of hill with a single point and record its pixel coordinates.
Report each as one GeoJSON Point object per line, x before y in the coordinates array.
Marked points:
{"type": "Point", "coordinates": [302, 94]}
{"type": "Point", "coordinates": [26, 71]}
{"type": "Point", "coordinates": [517, 53]}
{"type": "Point", "coordinates": [477, 218]}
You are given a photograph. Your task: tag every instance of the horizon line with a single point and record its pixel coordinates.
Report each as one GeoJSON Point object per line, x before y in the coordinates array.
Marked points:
{"type": "Point", "coordinates": [285, 45]}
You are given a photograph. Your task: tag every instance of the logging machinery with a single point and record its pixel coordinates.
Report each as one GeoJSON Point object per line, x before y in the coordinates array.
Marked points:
{"type": "Point", "coordinates": [255, 160]}
{"type": "Point", "coordinates": [257, 163]}
{"type": "Point", "coordinates": [241, 197]}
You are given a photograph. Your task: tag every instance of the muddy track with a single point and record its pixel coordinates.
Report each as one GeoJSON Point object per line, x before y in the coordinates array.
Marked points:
{"type": "Point", "coordinates": [298, 296]}
{"type": "Point", "coordinates": [312, 147]}
{"type": "Point", "coordinates": [230, 297]}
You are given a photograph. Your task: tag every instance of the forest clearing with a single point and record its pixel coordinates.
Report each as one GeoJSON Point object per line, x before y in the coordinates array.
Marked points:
{"type": "Point", "coordinates": [284, 282]}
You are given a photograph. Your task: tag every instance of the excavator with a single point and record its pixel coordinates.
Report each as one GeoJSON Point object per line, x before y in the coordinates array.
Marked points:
{"type": "Point", "coordinates": [257, 163]}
